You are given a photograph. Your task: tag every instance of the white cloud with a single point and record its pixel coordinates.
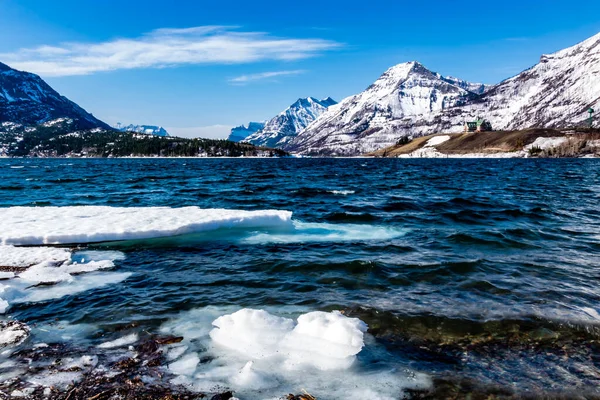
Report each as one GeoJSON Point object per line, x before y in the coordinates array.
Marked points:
{"type": "Point", "coordinates": [206, 132]}
{"type": "Point", "coordinates": [165, 48]}
{"type": "Point", "coordinates": [264, 75]}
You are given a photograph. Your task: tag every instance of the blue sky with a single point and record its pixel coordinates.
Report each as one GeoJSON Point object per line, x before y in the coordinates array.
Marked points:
{"type": "Point", "coordinates": [200, 67]}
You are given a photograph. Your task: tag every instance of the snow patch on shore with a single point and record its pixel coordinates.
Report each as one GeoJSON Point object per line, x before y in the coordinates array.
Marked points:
{"type": "Point", "coordinates": [432, 152]}
{"type": "Point", "coordinates": [437, 140]}
{"type": "Point", "coordinates": [545, 143]}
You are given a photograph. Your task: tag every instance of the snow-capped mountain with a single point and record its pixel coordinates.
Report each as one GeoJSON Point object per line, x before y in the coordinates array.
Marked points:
{"type": "Point", "coordinates": [241, 132]}
{"type": "Point", "coordinates": [279, 131]}
{"type": "Point", "coordinates": [369, 119]}
{"type": "Point", "coordinates": [26, 99]}
{"type": "Point", "coordinates": [409, 100]}
{"type": "Point", "coordinates": [145, 129]}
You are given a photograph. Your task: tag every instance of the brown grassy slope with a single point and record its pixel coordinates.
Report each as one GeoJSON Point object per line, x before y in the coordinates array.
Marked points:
{"type": "Point", "coordinates": [494, 142]}
{"type": "Point", "coordinates": [482, 142]}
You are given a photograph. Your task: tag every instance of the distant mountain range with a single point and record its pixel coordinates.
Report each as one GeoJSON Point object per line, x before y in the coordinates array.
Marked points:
{"type": "Point", "coordinates": [145, 129]}
{"type": "Point", "coordinates": [284, 127]}
{"type": "Point", "coordinates": [26, 99]}
{"type": "Point", "coordinates": [410, 100]}
{"type": "Point", "coordinates": [241, 132]}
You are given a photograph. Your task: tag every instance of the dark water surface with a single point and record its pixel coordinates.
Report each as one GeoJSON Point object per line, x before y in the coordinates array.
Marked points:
{"type": "Point", "coordinates": [486, 271]}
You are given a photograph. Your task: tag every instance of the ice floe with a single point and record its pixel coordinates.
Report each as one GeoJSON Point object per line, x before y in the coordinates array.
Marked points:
{"type": "Point", "coordinates": [11, 256]}
{"type": "Point", "coordinates": [45, 273]}
{"type": "Point", "coordinates": [90, 224]}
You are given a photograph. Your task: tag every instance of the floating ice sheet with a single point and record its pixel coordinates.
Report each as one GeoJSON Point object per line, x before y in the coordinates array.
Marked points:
{"type": "Point", "coordinates": [91, 224]}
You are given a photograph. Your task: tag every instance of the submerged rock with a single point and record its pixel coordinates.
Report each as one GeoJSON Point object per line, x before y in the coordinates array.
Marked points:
{"type": "Point", "coordinates": [63, 371]}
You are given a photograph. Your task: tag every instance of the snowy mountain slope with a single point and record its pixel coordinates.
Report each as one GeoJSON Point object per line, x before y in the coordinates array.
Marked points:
{"type": "Point", "coordinates": [555, 93]}
{"type": "Point", "coordinates": [477, 88]}
{"type": "Point", "coordinates": [26, 99]}
{"type": "Point", "coordinates": [145, 129]}
{"type": "Point", "coordinates": [368, 120]}
{"type": "Point", "coordinates": [408, 100]}
{"type": "Point", "coordinates": [241, 132]}
{"type": "Point", "coordinates": [284, 127]}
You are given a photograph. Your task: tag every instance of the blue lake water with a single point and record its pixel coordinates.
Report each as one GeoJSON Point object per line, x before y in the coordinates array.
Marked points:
{"type": "Point", "coordinates": [480, 270]}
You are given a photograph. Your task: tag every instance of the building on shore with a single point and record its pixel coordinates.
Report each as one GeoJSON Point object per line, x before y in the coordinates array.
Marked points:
{"type": "Point", "coordinates": [479, 125]}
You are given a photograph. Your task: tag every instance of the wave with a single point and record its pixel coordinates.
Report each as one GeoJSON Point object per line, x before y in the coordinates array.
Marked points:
{"type": "Point", "coordinates": [304, 232]}
{"type": "Point", "coordinates": [310, 191]}
{"type": "Point", "coordinates": [95, 224]}
{"type": "Point", "coordinates": [350, 217]}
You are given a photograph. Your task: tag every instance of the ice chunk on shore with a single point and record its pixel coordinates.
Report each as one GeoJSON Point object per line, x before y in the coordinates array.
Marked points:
{"type": "Point", "coordinates": [256, 333]}
{"type": "Point", "coordinates": [334, 339]}
{"type": "Point", "coordinates": [326, 341]}
{"type": "Point", "coordinates": [120, 342]}
{"type": "Point", "coordinates": [186, 365]}
{"type": "Point", "coordinates": [90, 224]}
{"type": "Point", "coordinates": [3, 306]}
{"type": "Point", "coordinates": [12, 332]}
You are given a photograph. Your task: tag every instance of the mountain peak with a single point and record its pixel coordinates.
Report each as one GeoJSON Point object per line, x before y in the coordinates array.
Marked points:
{"type": "Point", "coordinates": [26, 99]}
{"type": "Point", "coordinates": [308, 102]}
{"type": "Point", "coordinates": [4, 67]}
{"type": "Point", "coordinates": [289, 123]}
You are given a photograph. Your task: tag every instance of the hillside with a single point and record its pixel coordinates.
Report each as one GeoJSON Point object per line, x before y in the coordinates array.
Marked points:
{"type": "Point", "coordinates": [535, 142]}
{"type": "Point", "coordinates": [60, 138]}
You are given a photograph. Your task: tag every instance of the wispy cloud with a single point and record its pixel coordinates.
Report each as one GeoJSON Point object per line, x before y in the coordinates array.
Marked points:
{"type": "Point", "coordinates": [240, 80]}
{"type": "Point", "coordinates": [163, 48]}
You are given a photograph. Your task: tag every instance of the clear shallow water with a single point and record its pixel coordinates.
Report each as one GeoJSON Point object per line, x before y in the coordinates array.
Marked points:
{"type": "Point", "coordinates": [464, 269]}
